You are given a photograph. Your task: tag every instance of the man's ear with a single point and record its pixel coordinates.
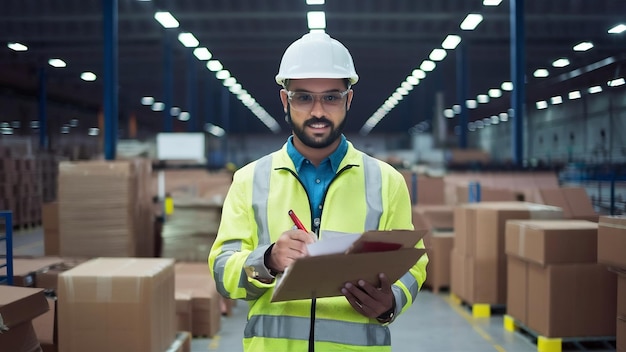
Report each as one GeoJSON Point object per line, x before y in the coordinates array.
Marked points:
{"type": "Point", "coordinates": [349, 100]}
{"type": "Point", "coordinates": [284, 99]}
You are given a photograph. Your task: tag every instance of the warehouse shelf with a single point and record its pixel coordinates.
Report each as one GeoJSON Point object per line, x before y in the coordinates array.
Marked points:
{"type": "Point", "coordinates": [8, 240]}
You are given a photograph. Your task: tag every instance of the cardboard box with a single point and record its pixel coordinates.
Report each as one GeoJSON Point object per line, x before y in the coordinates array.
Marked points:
{"type": "Point", "coordinates": [612, 241]}
{"type": "Point", "coordinates": [184, 312]}
{"type": "Point", "coordinates": [574, 201]}
{"type": "Point", "coordinates": [117, 304]}
{"type": "Point", "coordinates": [324, 275]}
{"type": "Point", "coordinates": [517, 289]}
{"type": "Point", "coordinates": [18, 307]}
{"type": "Point", "coordinates": [195, 281]}
{"type": "Point", "coordinates": [182, 343]}
{"type": "Point", "coordinates": [438, 271]}
{"type": "Point", "coordinates": [50, 222]}
{"type": "Point", "coordinates": [571, 300]}
{"type": "Point", "coordinates": [552, 241]}
{"type": "Point", "coordinates": [621, 334]}
{"type": "Point", "coordinates": [621, 293]}
{"type": "Point", "coordinates": [25, 270]}
{"type": "Point", "coordinates": [46, 328]}
{"type": "Point", "coordinates": [458, 275]}
{"type": "Point", "coordinates": [438, 217]}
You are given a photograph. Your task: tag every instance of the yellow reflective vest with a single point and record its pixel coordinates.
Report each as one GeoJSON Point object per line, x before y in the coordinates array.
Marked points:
{"type": "Point", "coordinates": [365, 194]}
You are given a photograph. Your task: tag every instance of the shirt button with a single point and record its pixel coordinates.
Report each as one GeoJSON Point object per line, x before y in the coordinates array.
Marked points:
{"type": "Point", "coordinates": [319, 207]}
{"type": "Point", "coordinates": [318, 181]}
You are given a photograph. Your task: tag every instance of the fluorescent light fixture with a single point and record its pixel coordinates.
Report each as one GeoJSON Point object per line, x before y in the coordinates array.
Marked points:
{"type": "Point", "coordinates": [214, 65]}
{"type": "Point", "coordinates": [93, 131]}
{"type": "Point", "coordinates": [315, 2]}
{"type": "Point", "coordinates": [437, 54]}
{"type": "Point", "coordinates": [57, 63]}
{"type": "Point", "coordinates": [541, 73]}
{"type": "Point", "coordinates": [73, 123]}
{"type": "Point", "coordinates": [583, 46]}
{"type": "Point", "coordinates": [188, 40]}
{"type": "Point", "coordinates": [616, 82]}
{"type": "Point", "coordinates": [158, 106]}
{"type": "Point", "coordinates": [542, 104]}
{"type": "Point", "coordinates": [412, 80]}
{"type": "Point", "coordinates": [175, 111]}
{"type": "Point", "coordinates": [147, 101]}
{"type": "Point", "coordinates": [88, 76]}
{"type": "Point", "coordinates": [17, 124]}
{"type": "Point", "coordinates": [419, 74]}
{"type": "Point", "coordinates": [471, 127]}
{"type": "Point", "coordinates": [451, 42]}
{"type": "Point", "coordinates": [235, 88]}
{"type": "Point", "coordinates": [507, 86]}
{"type": "Point", "coordinates": [449, 113]}
{"type": "Point", "coordinates": [406, 85]}
{"type": "Point", "coordinates": [397, 96]}
{"type": "Point", "coordinates": [402, 91]}
{"type": "Point", "coordinates": [184, 116]}
{"type": "Point", "coordinates": [316, 19]}
{"type": "Point", "coordinates": [495, 93]}
{"type": "Point", "coordinates": [561, 62]}
{"type": "Point", "coordinates": [202, 53]}
{"type": "Point", "coordinates": [65, 129]}
{"type": "Point", "coordinates": [556, 100]}
{"type": "Point", "coordinates": [487, 121]}
{"type": "Point", "coordinates": [17, 46]}
{"type": "Point", "coordinates": [595, 89]}
{"type": "Point", "coordinates": [504, 117]}
{"type": "Point", "coordinates": [471, 104]}
{"type": "Point", "coordinates": [427, 65]}
{"type": "Point", "coordinates": [482, 98]}
{"type": "Point", "coordinates": [34, 124]}
{"type": "Point", "coordinates": [491, 2]}
{"type": "Point", "coordinates": [456, 109]}
{"type": "Point", "coordinates": [479, 124]}
{"type": "Point", "coordinates": [230, 81]}
{"type": "Point", "coordinates": [6, 130]}
{"type": "Point", "coordinates": [495, 120]}
{"type": "Point", "coordinates": [222, 74]}
{"type": "Point", "coordinates": [618, 29]}
{"type": "Point", "coordinates": [574, 95]}
{"type": "Point", "coordinates": [166, 19]}
{"type": "Point", "coordinates": [471, 21]}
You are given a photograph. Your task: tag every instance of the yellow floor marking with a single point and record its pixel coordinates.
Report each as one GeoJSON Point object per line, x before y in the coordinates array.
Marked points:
{"type": "Point", "coordinates": [215, 342]}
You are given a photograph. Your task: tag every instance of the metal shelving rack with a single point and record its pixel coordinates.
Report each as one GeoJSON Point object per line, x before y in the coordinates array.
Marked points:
{"type": "Point", "coordinates": [7, 237]}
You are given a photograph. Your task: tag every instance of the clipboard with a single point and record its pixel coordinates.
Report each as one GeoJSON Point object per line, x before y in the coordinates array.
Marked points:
{"type": "Point", "coordinates": [389, 252]}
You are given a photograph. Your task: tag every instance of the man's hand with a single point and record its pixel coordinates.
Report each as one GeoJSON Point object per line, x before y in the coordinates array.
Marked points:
{"type": "Point", "coordinates": [369, 300]}
{"type": "Point", "coordinates": [290, 246]}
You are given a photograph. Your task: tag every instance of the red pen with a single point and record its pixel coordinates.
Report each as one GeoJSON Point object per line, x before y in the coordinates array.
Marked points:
{"type": "Point", "coordinates": [296, 221]}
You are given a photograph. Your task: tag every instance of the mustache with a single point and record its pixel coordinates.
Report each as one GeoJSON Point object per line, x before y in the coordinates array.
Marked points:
{"type": "Point", "coordinates": [318, 120]}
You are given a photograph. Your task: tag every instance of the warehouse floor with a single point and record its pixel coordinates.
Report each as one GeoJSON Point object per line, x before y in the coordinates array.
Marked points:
{"type": "Point", "coordinates": [435, 323]}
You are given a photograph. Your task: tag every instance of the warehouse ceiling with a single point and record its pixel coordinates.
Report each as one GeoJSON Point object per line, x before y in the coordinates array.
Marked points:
{"type": "Point", "coordinates": [388, 41]}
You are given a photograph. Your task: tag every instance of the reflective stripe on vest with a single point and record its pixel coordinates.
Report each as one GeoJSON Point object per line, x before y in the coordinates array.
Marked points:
{"type": "Point", "coordinates": [260, 195]}
{"type": "Point", "coordinates": [297, 328]}
{"type": "Point", "coordinates": [373, 193]}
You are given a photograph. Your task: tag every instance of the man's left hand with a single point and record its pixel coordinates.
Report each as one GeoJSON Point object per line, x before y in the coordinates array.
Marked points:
{"type": "Point", "coordinates": [369, 300]}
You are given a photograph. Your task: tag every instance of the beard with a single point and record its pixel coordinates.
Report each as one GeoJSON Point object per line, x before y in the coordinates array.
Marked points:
{"type": "Point", "coordinates": [314, 141]}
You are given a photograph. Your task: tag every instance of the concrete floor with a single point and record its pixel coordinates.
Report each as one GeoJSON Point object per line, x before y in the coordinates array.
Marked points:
{"type": "Point", "coordinates": [435, 323]}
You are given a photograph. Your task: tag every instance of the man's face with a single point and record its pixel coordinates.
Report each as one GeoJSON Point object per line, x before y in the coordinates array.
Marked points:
{"type": "Point", "coordinates": [318, 118]}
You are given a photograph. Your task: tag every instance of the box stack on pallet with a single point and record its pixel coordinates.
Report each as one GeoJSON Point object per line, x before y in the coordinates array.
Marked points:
{"type": "Point", "coordinates": [20, 188]}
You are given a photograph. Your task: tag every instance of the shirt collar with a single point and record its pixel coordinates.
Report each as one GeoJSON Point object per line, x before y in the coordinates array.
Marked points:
{"type": "Point", "coordinates": [335, 158]}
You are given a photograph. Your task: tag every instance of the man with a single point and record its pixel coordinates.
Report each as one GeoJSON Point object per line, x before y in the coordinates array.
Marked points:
{"type": "Point", "coordinates": [332, 187]}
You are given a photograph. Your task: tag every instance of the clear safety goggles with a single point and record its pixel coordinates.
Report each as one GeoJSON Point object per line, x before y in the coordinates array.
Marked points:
{"type": "Point", "coordinates": [304, 101]}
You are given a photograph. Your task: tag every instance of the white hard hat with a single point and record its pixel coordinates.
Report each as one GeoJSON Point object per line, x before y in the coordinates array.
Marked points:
{"type": "Point", "coordinates": [316, 55]}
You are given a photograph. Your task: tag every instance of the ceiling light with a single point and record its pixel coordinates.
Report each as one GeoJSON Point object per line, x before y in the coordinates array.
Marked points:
{"type": "Point", "coordinates": [315, 2]}
{"type": "Point", "coordinates": [471, 127]}
{"type": "Point", "coordinates": [184, 116]}
{"type": "Point", "coordinates": [595, 89]}
{"type": "Point", "coordinates": [34, 124]}
{"type": "Point", "coordinates": [166, 19]}
{"type": "Point", "coordinates": [504, 117]}
{"type": "Point", "coordinates": [222, 74]}
{"type": "Point", "coordinates": [471, 104]}
{"type": "Point", "coordinates": [235, 88]}
{"type": "Point", "coordinates": [158, 106]}
{"type": "Point", "coordinates": [495, 93]}
{"type": "Point", "coordinates": [419, 74]}
{"type": "Point", "coordinates": [482, 98]}
{"type": "Point", "coordinates": [449, 113]}
{"type": "Point", "coordinates": [451, 42]}
{"type": "Point", "coordinates": [147, 101]}
{"type": "Point", "coordinates": [407, 85]}
{"type": "Point", "coordinates": [618, 29]}
{"type": "Point", "coordinates": [556, 100]}
{"type": "Point", "coordinates": [17, 124]}
{"type": "Point", "coordinates": [412, 80]}
{"type": "Point", "coordinates": [57, 63]}
{"type": "Point", "coordinates": [456, 109]}
{"type": "Point", "coordinates": [397, 96]}
{"type": "Point", "coordinates": [230, 81]}
{"type": "Point", "coordinates": [541, 73]}
{"type": "Point", "coordinates": [427, 65]}
{"type": "Point", "coordinates": [93, 131]}
{"type": "Point", "coordinates": [495, 120]}
{"type": "Point", "coordinates": [491, 2]}
{"type": "Point", "coordinates": [584, 46]}
{"type": "Point", "coordinates": [65, 129]}
{"type": "Point", "coordinates": [437, 54]}
{"type": "Point", "coordinates": [479, 124]}
{"type": "Point", "coordinates": [574, 95]}
{"type": "Point", "coordinates": [402, 91]}
{"type": "Point", "coordinates": [17, 46]}
{"type": "Point", "coordinates": [616, 82]}
{"type": "Point", "coordinates": [316, 19]}
{"type": "Point", "coordinates": [214, 65]}
{"type": "Point", "coordinates": [487, 121]}
{"type": "Point", "coordinates": [471, 21]}
{"type": "Point", "coordinates": [507, 86]}
{"type": "Point", "coordinates": [202, 53]}
{"type": "Point", "coordinates": [175, 111]}
{"type": "Point", "coordinates": [188, 40]}
{"type": "Point", "coordinates": [542, 104]}
{"type": "Point", "coordinates": [88, 76]}
{"type": "Point", "coordinates": [562, 62]}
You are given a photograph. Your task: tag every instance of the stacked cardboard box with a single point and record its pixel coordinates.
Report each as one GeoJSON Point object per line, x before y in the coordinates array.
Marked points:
{"type": "Point", "coordinates": [612, 252]}
{"type": "Point", "coordinates": [574, 201]}
{"type": "Point", "coordinates": [555, 286]}
{"type": "Point", "coordinates": [50, 223]}
{"type": "Point", "coordinates": [429, 190]}
{"type": "Point", "coordinates": [117, 304]}
{"type": "Point", "coordinates": [45, 327]}
{"type": "Point", "coordinates": [478, 261]}
{"type": "Point", "coordinates": [26, 270]}
{"type": "Point", "coordinates": [18, 307]}
{"type": "Point", "coordinates": [105, 209]}
{"type": "Point", "coordinates": [197, 299]}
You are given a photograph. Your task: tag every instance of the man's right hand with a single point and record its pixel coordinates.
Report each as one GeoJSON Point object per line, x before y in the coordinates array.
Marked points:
{"type": "Point", "coordinates": [290, 246]}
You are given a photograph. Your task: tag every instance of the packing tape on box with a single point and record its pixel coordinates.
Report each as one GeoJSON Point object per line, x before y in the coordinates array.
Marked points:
{"type": "Point", "coordinates": [543, 212]}
{"type": "Point", "coordinates": [612, 225]}
{"type": "Point", "coordinates": [104, 282]}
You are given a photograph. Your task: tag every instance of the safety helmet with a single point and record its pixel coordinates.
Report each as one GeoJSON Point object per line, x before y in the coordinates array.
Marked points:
{"type": "Point", "coordinates": [316, 55]}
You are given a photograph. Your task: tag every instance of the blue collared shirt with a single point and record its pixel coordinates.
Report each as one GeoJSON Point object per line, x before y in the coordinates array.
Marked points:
{"type": "Point", "coordinates": [316, 180]}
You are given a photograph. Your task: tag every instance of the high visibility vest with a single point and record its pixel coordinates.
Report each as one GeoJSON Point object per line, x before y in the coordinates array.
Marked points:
{"type": "Point", "coordinates": [366, 194]}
